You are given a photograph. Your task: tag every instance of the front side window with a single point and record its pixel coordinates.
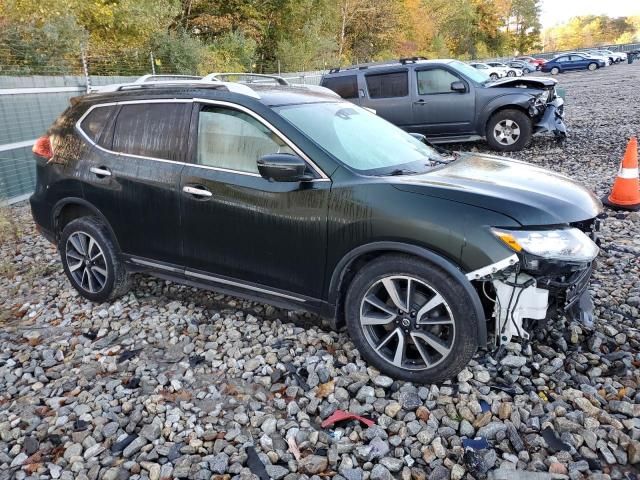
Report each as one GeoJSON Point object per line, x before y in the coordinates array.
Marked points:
{"type": "Point", "coordinates": [360, 139]}
{"type": "Point", "coordinates": [388, 85]}
{"type": "Point", "coordinates": [468, 71]}
{"type": "Point", "coordinates": [435, 80]}
{"type": "Point", "coordinates": [234, 140]}
{"type": "Point", "coordinates": [156, 130]}
{"type": "Point", "coordinates": [345, 86]}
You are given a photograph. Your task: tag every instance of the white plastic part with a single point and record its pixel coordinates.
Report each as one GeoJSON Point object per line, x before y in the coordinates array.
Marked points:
{"type": "Point", "coordinates": [493, 268]}
{"type": "Point", "coordinates": [530, 302]}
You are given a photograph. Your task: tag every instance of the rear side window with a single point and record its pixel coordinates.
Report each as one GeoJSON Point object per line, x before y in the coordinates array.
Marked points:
{"type": "Point", "coordinates": [387, 85]}
{"type": "Point", "coordinates": [95, 123]}
{"type": "Point", "coordinates": [345, 86]}
{"type": "Point", "coordinates": [158, 130]}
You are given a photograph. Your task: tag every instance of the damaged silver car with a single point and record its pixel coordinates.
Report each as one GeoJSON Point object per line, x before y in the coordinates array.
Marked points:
{"type": "Point", "coordinates": [450, 101]}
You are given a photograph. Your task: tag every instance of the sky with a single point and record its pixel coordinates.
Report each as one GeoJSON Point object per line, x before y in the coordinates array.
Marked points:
{"type": "Point", "coordinates": [559, 11]}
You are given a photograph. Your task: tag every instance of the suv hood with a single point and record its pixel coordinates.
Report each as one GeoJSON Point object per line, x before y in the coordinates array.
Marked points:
{"type": "Point", "coordinates": [530, 195]}
{"type": "Point", "coordinates": [524, 82]}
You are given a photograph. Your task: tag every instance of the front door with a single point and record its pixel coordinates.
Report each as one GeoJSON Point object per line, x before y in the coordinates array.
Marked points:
{"type": "Point", "coordinates": [388, 94]}
{"type": "Point", "coordinates": [438, 111]}
{"type": "Point", "coordinates": [239, 228]}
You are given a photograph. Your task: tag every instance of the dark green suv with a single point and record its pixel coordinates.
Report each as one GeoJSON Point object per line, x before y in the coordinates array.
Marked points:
{"type": "Point", "coordinates": [307, 201]}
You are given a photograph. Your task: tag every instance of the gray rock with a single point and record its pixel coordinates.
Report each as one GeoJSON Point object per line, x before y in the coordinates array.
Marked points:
{"type": "Point", "coordinates": [392, 464]}
{"type": "Point", "coordinates": [276, 472]}
{"type": "Point", "coordinates": [513, 361]}
{"type": "Point", "coordinates": [379, 472]}
{"type": "Point", "coordinates": [219, 463]}
{"type": "Point", "coordinates": [313, 464]}
{"type": "Point", "coordinates": [134, 447]}
{"type": "Point", "coordinates": [382, 381]}
{"type": "Point", "coordinates": [409, 400]}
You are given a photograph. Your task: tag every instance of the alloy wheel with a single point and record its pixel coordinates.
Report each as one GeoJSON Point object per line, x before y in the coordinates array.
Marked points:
{"type": "Point", "coordinates": [506, 132]}
{"type": "Point", "coordinates": [86, 262]}
{"type": "Point", "coordinates": [407, 322]}
{"type": "Point", "coordinates": [511, 73]}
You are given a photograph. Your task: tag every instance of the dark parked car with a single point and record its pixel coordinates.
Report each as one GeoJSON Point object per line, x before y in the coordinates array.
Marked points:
{"type": "Point", "coordinates": [537, 62]}
{"type": "Point", "coordinates": [574, 61]}
{"type": "Point", "coordinates": [450, 101]}
{"type": "Point", "coordinates": [307, 201]}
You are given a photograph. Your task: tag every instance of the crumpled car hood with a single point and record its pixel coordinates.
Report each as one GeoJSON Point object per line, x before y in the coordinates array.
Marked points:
{"type": "Point", "coordinates": [524, 82]}
{"type": "Point", "coordinates": [530, 195]}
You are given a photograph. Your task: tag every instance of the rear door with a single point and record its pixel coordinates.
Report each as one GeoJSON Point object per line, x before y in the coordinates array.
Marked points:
{"type": "Point", "coordinates": [135, 173]}
{"type": "Point", "coordinates": [239, 228]}
{"type": "Point", "coordinates": [388, 94]}
{"type": "Point", "coordinates": [437, 110]}
{"type": "Point", "coordinates": [578, 62]}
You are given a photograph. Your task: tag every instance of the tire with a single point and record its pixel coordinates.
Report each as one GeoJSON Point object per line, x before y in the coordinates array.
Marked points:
{"type": "Point", "coordinates": [592, 66]}
{"type": "Point", "coordinates": [98, 275]}
{"type": "Point", "coordinates": [511, 73]}
{"type": "Point", "coordinates": [509, 130]}
{"type": "Point", "coordinates": [526, 70]}
{"type": "Point", "coordinates": [494, 76]}
{"type": "Point", "coordinates": [555, 71]}
{"type": "Point", "coordinates": [454, 337]}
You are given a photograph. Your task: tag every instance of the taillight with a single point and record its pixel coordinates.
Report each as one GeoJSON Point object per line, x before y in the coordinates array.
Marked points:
{"type": "Point", "coordinates": [42, 147]}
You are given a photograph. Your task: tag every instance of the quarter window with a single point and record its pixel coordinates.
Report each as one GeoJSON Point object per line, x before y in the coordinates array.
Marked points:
{"type": "Point", "coordinates": [345, 86]}
{"type": "Point", "coordinates": [436, 80]}
{"type": "Point", "coordinates": [158, 130]}
{"type": "Point", "coordinates": [233, 140]}
{"type": "Point", "coordinates": [388, 85]}
{"type": "Point", "coordinates": [95, 122]}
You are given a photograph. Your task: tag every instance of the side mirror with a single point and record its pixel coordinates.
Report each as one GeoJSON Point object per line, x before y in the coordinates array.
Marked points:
{"type": "Point", "coordinates": [418, 136]}
{"type": "Point", "coordinates": [282, 167]}
{"type": "Point", "coordinates": [458, 86]}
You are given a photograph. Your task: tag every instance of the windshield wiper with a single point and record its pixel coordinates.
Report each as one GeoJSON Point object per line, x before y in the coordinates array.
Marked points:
{"type": "Point", "coordinates": [401, 171]}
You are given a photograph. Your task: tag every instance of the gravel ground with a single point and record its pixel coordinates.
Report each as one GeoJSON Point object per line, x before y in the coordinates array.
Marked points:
{"type": "Point", "coordinates": [170, 381]}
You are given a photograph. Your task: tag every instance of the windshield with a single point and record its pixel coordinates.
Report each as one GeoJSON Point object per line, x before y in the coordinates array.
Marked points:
{"type": "Point", "coordinates": [469, 72]}
{"type": "Point", "coordinates": [360, 139]}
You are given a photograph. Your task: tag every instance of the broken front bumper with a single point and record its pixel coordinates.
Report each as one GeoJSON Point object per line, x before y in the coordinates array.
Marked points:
{"type": "Point", "coordinates": [552, 119]}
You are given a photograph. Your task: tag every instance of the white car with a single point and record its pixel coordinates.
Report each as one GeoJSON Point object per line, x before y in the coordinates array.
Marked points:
{"type": "Point", "coordinates": [615, 57]}
{"type": "Point", "coordinates": [594, 54]}
{"type": "Point", "coordinates": [491, 72]}
{"type": "Point", "coordinates": [508, 71]}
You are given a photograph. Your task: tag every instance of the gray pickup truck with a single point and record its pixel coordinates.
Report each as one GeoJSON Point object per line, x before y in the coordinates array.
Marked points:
{"type": "Point", "coordinates": [449, 101]}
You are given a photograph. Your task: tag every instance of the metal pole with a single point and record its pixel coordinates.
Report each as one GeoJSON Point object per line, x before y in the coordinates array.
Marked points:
{"type": "Point", "coordinates": [85, 68]}
{"type": "Point", "coordinates": [153, 63]}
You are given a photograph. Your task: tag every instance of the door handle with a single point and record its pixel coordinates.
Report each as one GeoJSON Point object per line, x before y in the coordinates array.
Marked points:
{"type": "Point", "coordinates": [198, 192]}
{"type": "Point", "coordinates": [420, 102]}
{"type": "Point", "coordinates": [100, 171]}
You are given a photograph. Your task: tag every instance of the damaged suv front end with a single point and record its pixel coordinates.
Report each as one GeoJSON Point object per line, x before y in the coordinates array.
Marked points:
{"type": "Point", "coordinates": [546, 277]}
{"type": "Point", "coordinates": [544, 104]}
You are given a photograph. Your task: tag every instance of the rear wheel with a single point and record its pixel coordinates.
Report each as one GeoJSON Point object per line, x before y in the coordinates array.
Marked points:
{"type": "Point", "coordinates": [90, 260]}
{"type": "Point", "coordinates": [593, 66]}
{"type": "Point", "coordinates": [410, 319]}
{"type": "Point", "coordinates": [526, 70]}
{"type": "Point", "coordinates": [509, 130]}
{"type": "Point", "coordinates": [555, 71]}
{"type": "Point", "coordinates": [494, 76]}
{"type": "Point", "coordinates": [511, 73]}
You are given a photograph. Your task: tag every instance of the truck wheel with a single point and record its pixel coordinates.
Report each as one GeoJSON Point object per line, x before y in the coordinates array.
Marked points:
{"type": "Point", "coordinates": [555, 71]}
{"type": "Point", "coordinates": [411, 320]}
{"type": "Point", "coordinates": [509, 130]}
{"type": "Point", "coordinates": [90, 260]}
{"type": "Point", "coordinates": [593, 66]}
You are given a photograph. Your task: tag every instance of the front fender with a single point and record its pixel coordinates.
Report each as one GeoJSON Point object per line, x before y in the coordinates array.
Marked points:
{"type": "Point", "coordinates": [508, 100]}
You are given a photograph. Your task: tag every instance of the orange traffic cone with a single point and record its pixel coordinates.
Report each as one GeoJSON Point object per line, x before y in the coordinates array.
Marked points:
{"type": "Point", "coordinates": [625, 194]}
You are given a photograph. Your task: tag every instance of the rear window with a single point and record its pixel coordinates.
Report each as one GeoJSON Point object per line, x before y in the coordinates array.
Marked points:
{"type": "Point", "coordinates": [94, 124]}
{"type": "Point", "coordinates": [345, 86]}
{"type": "Point", "coordinates": [388, 85]}
{"type": "Point", "coordinates": [158, 130]}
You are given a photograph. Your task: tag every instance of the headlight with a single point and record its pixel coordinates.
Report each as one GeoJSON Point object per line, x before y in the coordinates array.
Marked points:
{"type": "Point", "coordinates": [568, 244]}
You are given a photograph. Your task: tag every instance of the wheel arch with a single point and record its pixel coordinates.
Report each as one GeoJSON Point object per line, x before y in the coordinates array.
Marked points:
{"type": "Point", "coordinates": [347, 266]}
{"type": "Point", "coordinates": [505, 102]}
{"type": "Point", "coordinates": [70, 208]}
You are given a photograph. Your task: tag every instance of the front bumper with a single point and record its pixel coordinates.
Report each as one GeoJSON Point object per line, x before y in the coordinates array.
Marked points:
{"type": "Point", "coordinates": [552, 119]}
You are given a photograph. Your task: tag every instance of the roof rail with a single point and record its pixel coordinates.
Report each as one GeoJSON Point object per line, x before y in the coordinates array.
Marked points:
{"type": "Point", "coordinates": [225, 77]}
{"type": "Point", "coordinates": [239, 88]}
{"type": "Point", "coordinates": [406, 60]}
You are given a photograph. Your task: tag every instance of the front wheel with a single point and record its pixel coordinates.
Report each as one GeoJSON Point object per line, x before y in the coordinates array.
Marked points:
{"type": "Point", "coordinates": [511, 73]}
{"type": "Point", "coordinates": [593, 66]}
{"type": "Point", "coordinates": [411, 320]}
{"type": "Point", "coordinates": [90, 260]}
{"type": "Point", "coordinates": [509, 130]}
{"type": "Point", "coordinates": [493, 76]}
{"type": "Point", "coordinates": [526, 70]}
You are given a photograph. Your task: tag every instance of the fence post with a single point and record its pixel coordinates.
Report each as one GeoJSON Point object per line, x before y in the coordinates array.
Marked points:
{"type": "Point", "coordinates": [153, 64]}
{"type": "Point", "coordinates": [85, 68]}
